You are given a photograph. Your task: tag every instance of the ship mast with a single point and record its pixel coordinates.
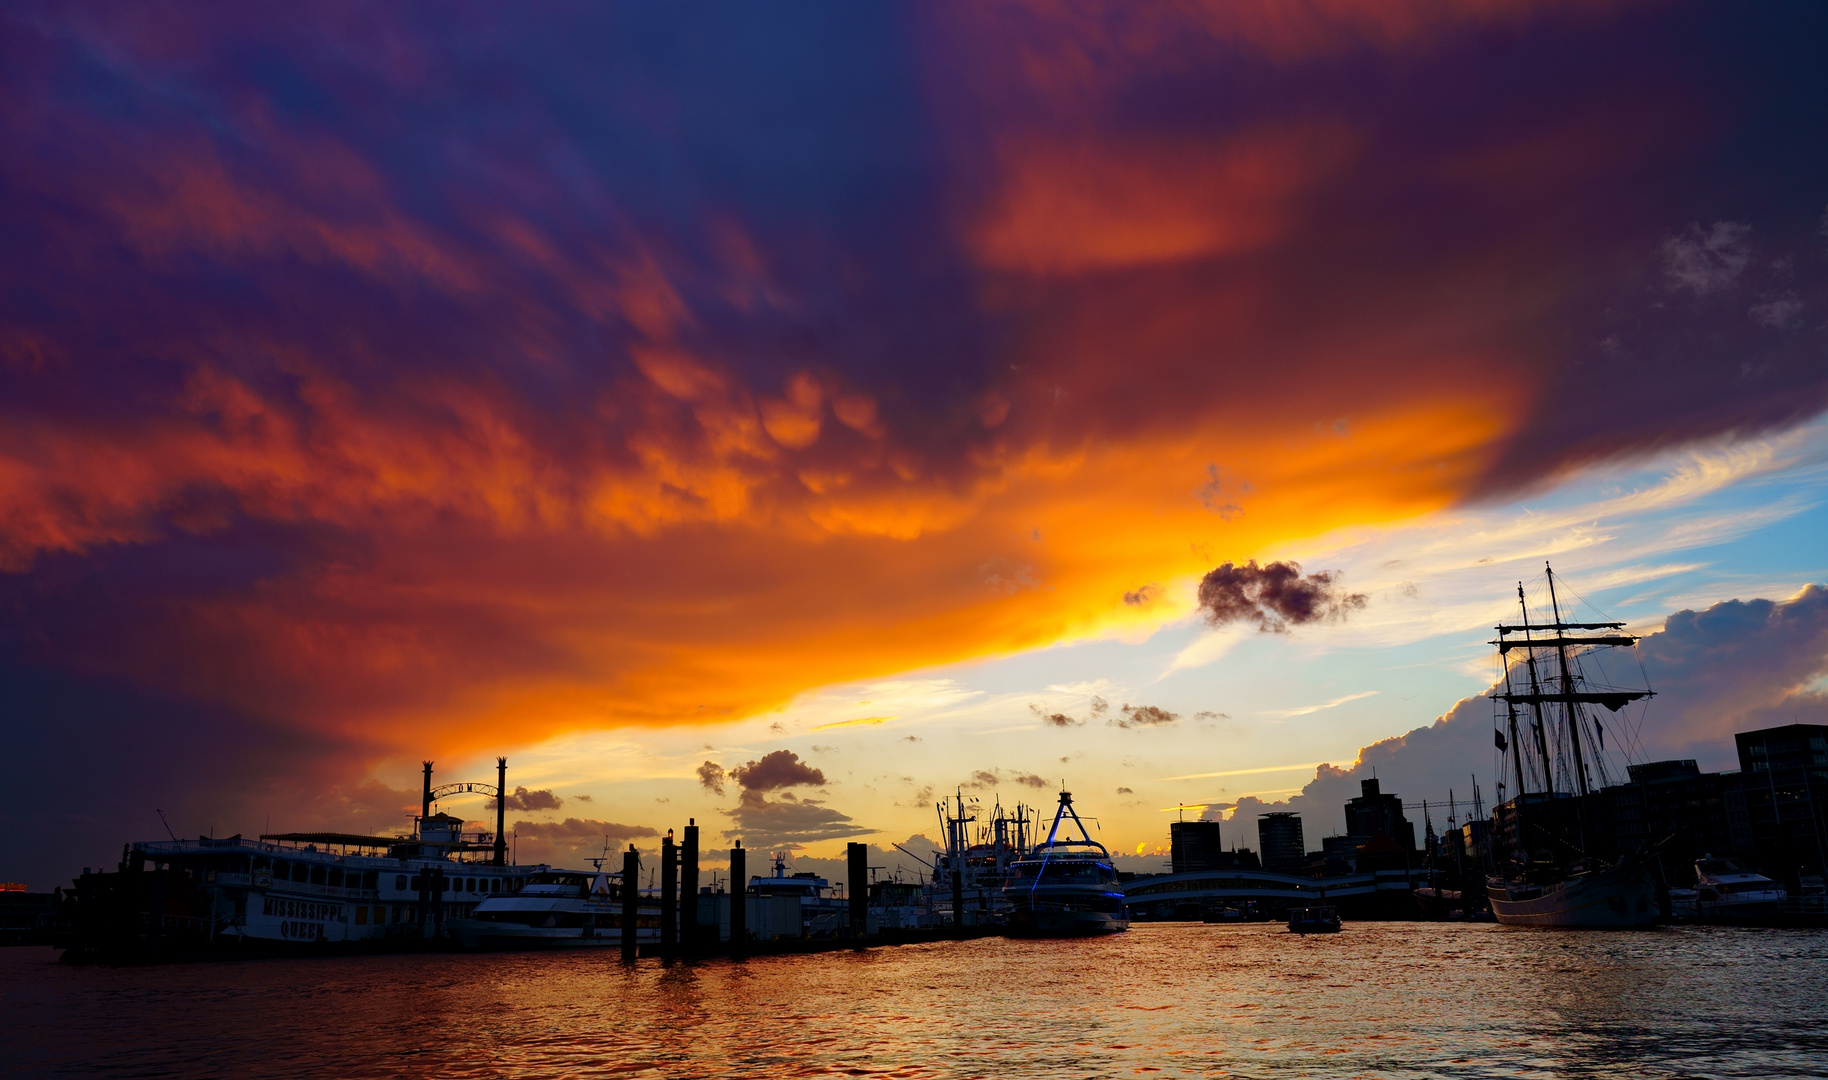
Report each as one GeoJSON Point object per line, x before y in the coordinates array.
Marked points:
{"type": "Point", "coordinates": [1568, 694]}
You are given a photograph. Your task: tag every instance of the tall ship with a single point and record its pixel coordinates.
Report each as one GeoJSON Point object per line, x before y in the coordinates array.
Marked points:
{"type": "Point", "coordinates": [1063, 886]}
{"type": "Point", "coordinates": [1553, 739]}
{"type": "Point", "coordinates": [298, 892]}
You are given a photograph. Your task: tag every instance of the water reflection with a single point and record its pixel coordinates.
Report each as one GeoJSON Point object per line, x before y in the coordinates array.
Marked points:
{"type": "Point", "coordinates": [1379, 999]}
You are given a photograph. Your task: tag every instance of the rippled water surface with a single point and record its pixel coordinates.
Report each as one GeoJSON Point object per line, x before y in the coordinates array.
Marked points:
{"type": "Point", "coordinates": [1379, 999]}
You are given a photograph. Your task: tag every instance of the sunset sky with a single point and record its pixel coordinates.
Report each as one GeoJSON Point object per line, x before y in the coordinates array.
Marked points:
{"type": "Point", "coordinates": [786, 416]}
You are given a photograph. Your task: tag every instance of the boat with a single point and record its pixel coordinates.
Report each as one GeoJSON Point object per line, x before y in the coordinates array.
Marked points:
{"type": "Point", "coordinates": [1727, 891]}
{"type": "Point", "coordinates": [557, 909]}
{"type": "Point", "coordinates": [1313, 920]}
{"type": "Point", "coordinates": [823, 912]}
{"type": "Point", "coordinates": [1552, 878]}
{"type": "Point", "coordinates": [296, 892]}
{"type": "Point", "coordinates": [1063, 887]}
{"type": "Point", "coordinates": [968, 878]}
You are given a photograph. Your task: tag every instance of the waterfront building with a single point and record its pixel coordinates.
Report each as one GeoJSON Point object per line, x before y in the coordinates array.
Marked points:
{"type": "Point", "coordinates": [1777, 806]}
{"type": "Point", "coordinates": [1373, 812]}
{"type": "Point", "coordinates": [1194, 846]}
{"type": "Point", "coordinates": [1279, 839]}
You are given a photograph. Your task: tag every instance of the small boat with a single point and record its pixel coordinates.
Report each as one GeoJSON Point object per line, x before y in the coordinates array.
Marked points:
{"type": "Point", "coordinates": [1064, 887]}
{"type": "Point", "coordinates": [1727, 891]}
{"type": "Point", "coordinates": [1313, 920]}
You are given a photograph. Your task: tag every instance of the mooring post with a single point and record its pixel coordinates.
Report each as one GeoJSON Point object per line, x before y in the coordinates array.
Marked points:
{"type": "Point", "coordinates": [739, 902]}
{"type": "Point", "coordinates": [859, 888]}
{"type": "Point", "coordinates": [688, 891]}
{"type": "Point", "coordinates": [669, 895]}
{"type": "Point", "coordinates": [631, 900]}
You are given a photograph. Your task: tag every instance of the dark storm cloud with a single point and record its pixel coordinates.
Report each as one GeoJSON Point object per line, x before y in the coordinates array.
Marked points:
{"type": "Point", "coordinates": [1274, 597]}
{"type": "Point", "coordinates": [522, 799]}
{"type": "Point", "coordinates": [349, 370]}
{"type": "Point", "coordinates": [776, 770]}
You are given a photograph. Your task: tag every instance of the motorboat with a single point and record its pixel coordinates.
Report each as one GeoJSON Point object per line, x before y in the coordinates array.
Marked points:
{"type": "Point", "coordinates": [1064, 887]}
{"type": "Point", "coordinates": [557, 909]}
{"type": "Point", "coordinates": [1321, 919]}
{"type": "Point", "coordinates": [1726, 890]}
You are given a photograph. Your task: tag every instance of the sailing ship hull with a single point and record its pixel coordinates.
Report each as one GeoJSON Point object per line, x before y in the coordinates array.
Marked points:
{"type": "Point", "coordinates": [1624, 897]}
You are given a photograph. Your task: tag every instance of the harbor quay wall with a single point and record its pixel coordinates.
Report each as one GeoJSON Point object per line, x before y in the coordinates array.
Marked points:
{"type": "Point", "coordinates": [1382, 894]}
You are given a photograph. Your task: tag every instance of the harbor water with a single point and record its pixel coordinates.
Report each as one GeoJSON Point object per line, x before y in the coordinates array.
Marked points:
{"type": "Point", "coordinates": [1377, 1000]}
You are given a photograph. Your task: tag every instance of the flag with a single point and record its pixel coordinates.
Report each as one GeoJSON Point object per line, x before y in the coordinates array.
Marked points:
{"type": "Point", "coordinates": [1498, 740]}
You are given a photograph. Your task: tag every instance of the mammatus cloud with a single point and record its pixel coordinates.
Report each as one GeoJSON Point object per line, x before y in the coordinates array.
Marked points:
{"type": "Point", "coordinates": [1735, 666]}
{"type": "Point", "coordinates": [1274, 597]}
{"type": "Point", "coordinates": [522, 799]}
{"type": "Point", "coordinates": [567, 842]}
{"type": "Point", "coordinates": [776, 770]}
{"type": "Point", "coordinates": [1136, 716]}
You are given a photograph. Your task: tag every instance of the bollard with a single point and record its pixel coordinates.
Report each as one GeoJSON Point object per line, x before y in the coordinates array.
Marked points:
{"type": "Point", "coordinates": [859, 889]}
{"type": "Point", "coordinates": [669, 895]}
{"type": "Point", "coordinates": [688, 891]}
{"type": "Point", "coordinates": [739, 903]}
{"type": "Point", "coordinates": [631, 900]}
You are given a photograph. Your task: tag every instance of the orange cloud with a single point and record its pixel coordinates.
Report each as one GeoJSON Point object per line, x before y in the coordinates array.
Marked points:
{"type": "Point", "coordinates": [1128, 202]}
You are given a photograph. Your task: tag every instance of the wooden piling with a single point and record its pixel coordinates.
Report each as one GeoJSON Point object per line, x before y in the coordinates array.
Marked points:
{"type": "Point", "coordinates": [631, 900]}
{"type": "Point", "coordinates": [859, 855]}
{"type": "Point", "coordinates": [739, 905]}
{"type": "Point", "coordinates": [688, 892]}
{"type": "Point", "coordinates": [669, 896]}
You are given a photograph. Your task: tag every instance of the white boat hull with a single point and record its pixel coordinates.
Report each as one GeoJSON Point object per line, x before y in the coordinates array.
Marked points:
{"type": "Point", "coordinates": [1621, 898]}
{"type": "Point", "coordinates": [487, 934]}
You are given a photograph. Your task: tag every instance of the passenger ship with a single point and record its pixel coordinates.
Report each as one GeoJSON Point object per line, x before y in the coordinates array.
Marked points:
{"type": "Point", "coordinates": [1064, 886]}
{"type": "Point", "coordinates": [296, 891]}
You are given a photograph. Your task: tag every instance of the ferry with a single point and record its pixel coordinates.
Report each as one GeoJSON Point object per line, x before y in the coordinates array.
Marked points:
{"type": "Point", "coordinates": [1064, 887]}
{"type": "Point", "coordinates": [292, 892]}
